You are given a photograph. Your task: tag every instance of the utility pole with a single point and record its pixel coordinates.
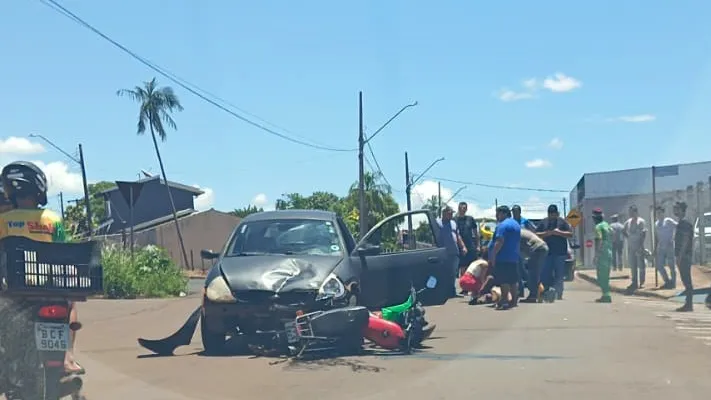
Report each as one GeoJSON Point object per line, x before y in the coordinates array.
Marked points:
{"type": "Point", "coordinates": [702, 226]}
{"type": "Point", "coordinates": [496, 203]}
{"type": "Point", "coordinates": [362, 212]}
{"type": "Point", "coordinates": [362, 141]}
{"type": "Point", "coordinates": [408, 187]}
{"type": "Point", "coordinates": [439, 196]}
{"type": "Point", "coordinates": [61, 204]}
{"type": "Point", "coordinates": [86, 193]}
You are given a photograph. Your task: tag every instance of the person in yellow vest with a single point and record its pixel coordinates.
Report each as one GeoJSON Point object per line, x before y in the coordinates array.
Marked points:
{"type": "Point", "coordinates": [25, 187]}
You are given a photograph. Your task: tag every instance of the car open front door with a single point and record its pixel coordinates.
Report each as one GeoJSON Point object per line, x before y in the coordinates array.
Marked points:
{"type": "Point", "coordinates": [389, 266]}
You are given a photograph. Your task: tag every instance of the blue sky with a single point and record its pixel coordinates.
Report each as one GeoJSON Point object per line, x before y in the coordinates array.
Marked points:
{"type": "Point", "coordinates": [634, 90]}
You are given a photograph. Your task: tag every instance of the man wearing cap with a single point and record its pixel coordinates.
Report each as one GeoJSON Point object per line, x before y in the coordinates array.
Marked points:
{"type": "Point", "coordinates": [505, 255]}
{"type": "Point", "coordinates": [603, 254]}
{"type": "Point", "coordinates": [555, 231]}
{"type": "Point", "coordinates": [618, 242]}
{"type": "Point", "coordinates": [636, 232]}
{"type": "Point", "coordinates": [449, 239]}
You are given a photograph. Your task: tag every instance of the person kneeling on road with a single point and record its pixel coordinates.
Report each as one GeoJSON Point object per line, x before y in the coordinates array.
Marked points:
{"type": "Point", "coordinates": [474, 278]}
{"type": "Point", "coordinates": [25, 186]}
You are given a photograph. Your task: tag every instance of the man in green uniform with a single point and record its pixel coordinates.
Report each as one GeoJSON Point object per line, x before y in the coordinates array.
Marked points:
{"type": "Point", "coordinates": [603, 254]}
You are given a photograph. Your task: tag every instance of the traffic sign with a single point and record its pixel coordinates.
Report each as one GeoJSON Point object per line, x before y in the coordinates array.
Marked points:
{"type": "Point", "coordinates": [573, 217]}
{"type": "Point", "coordinates": [588, 243]}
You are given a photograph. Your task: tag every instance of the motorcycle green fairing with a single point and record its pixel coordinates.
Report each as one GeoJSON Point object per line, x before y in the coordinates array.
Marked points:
{"type": "Point", "coordinates": [393, 313]}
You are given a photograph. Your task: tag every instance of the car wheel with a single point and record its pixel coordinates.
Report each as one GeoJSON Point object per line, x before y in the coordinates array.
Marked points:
{"type": "Point", "coordinates": [213, 343]}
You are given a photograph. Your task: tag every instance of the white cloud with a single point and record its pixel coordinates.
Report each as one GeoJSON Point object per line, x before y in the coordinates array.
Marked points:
{"type": "Point", "coordinates": [60, 178]}
{"type": "Point", "coordinates": [261, 201]}
{"type": "Point", "coordinates": [560, 83]}
{"type": "Point", "coordinates": [205, 200]}
{"type": "Point", "coordinates": [538, 163]}
{"type": "Point", "coordinates": [635, 118]}
{"type": "Point", "coordinates": [508, 95]}
{"type": "Point", "coordinates": [20, 145]}
{"type": "Point", "coordinates": [556, 144]}
{"type": "Point", "coordinates": [428, 189]}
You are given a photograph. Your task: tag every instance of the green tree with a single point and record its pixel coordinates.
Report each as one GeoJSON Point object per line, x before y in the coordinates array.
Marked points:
{"type": "Point", "coordinates": [75, 215]}
{"type": "Point", "coordinates": [156, 105]}
{"type": "Point", "coordinates": [379, 202]}
{"type": "Point", "coordinates": [316, 201]}
{"type": "Point", "coordinates": [243, 212]}
{"type": "Point", "coordinates": [432, 204]}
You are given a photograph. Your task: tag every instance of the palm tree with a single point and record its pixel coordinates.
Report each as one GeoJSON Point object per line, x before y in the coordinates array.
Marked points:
{"type": "Point", "coordinates": [156, 106]}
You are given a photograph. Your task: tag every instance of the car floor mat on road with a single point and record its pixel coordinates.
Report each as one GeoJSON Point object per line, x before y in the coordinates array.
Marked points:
{"type": "Point", "coordinates": [183, 337]}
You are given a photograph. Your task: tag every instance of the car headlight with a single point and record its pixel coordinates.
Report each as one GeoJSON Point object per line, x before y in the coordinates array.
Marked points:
{"type": "Point", "coordinates": [331, 287]}
{"type": "Point", "coordinates": [219, 292]}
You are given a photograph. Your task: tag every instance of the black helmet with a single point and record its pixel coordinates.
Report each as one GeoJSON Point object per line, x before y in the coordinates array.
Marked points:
{"type": "Point", "coordinates": [23, 178]}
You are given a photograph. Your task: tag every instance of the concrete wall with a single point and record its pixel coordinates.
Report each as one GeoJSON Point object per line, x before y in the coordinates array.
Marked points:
{"type": "Point", "coordinates": [204, 230]}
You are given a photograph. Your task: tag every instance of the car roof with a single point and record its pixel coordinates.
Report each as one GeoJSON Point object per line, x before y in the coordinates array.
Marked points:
{"type": "Point", "coordinates": [319, 215]}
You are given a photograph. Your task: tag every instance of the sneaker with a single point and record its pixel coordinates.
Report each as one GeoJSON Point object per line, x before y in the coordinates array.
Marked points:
{"type": "Point", "coordinates": [604, 299]}
{"type": "Point", "coordinates": [685, 308]}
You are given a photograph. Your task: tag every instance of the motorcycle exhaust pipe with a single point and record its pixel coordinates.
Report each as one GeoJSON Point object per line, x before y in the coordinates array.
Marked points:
{"type": "Point", "coordinates": [69, 386]}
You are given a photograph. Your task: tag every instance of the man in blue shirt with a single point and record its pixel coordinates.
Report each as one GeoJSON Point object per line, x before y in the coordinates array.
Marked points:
{"type": "Point", "coordinates": [524, 222]}
{"type": "Point", "coordinates": [505, 256]}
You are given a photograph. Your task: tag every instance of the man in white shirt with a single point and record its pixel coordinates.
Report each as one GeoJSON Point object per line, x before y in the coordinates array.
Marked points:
{"type": "Point", "coordinates": [636, 231]}
{"type": "Point", "coordinates": [664, 239]}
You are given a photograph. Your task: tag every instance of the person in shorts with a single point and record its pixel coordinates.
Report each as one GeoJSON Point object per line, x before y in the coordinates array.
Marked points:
{"type": "Point", "coordinates": [505, 255]}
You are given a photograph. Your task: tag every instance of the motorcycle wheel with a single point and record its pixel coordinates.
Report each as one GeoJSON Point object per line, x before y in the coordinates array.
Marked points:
{"type": "Point", "coordinates": [28, 378]}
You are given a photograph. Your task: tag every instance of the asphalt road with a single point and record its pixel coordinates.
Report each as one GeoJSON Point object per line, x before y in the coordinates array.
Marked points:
{"type": "Point", "coordinates": [570, 349]}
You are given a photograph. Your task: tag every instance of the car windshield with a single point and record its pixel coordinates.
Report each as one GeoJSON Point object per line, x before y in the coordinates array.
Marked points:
{"type": "Point", "coordinates": [286, 236]}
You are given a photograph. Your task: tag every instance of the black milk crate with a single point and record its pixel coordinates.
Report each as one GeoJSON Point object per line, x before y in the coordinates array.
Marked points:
{"type": "Point", "coordinates": [40, 268]}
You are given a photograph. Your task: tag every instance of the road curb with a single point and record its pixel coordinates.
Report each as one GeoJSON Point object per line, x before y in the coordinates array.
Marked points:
{"type": "Point", "coordinates": [588, 278]}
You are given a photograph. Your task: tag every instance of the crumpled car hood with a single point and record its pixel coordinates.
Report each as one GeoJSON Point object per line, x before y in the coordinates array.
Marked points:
{"type": "Point", "coordinates": [276, 273]}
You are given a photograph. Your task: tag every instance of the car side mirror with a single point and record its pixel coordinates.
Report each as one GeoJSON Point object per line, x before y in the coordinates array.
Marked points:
{"type": "Point", "coordinates": [575, 246]}
{"type": "Point", "coordinates": [209, 254]}
{"type": "Point", "coordinates": [369, 250]}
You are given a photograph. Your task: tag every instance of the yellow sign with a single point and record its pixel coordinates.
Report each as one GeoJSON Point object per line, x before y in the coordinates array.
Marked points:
{"type": "Point", "coordinates": [573, 218]}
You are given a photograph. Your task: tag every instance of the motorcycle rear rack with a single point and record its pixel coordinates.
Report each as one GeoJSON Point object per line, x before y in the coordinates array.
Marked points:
{"type": "Point", "coordinates": [304, 329]}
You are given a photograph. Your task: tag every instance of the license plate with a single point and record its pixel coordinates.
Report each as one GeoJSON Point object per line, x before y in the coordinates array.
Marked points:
{"type": "Point", "coordinates": [51, 336]}
{"type": "Point", "coordinates": [292, 335]}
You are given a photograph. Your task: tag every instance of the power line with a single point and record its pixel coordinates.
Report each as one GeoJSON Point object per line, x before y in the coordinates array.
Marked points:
{"type": "Point", "coordinates": [185, 84]}
{"type": "Point", "coordinates": [380, 170]}
{"type": "Point", "coordinates": [487, 185]}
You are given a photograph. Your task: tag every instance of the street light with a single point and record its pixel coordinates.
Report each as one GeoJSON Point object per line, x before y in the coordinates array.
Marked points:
{"type": "Point", "coordinates": [408, 189]}
{"type": "Point", "coordinates": [362, 141]}
{"type": "Point", "coordinates": [79, 161]}
{"type": "Point", "coordinates": [414, 181]}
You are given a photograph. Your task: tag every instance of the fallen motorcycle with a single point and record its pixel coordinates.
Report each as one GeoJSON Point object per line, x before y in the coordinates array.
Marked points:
{"type": "Point", "coordinates": [340, 330]}
{"type": "Point", "coordinates": [400, 327]}
{"type": "Point", "coordinates": [39, 282]}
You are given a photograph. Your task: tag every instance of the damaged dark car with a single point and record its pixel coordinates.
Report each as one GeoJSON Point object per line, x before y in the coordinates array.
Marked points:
{"type": "Point", "coordinates": [279, 264]}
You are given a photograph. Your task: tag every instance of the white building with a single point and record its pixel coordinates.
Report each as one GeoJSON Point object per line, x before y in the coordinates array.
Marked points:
{"type": "Point", "coordinates": [615, 191]}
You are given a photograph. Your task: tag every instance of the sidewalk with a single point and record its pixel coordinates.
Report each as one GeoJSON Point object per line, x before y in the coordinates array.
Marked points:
{"type": "Point", "coordinates": [619, 280]}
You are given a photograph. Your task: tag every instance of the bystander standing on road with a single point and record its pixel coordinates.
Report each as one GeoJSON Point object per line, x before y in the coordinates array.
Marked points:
{"type": "Point", "coordinates": [664, 238]}
{"type": "Point", "coordinates": [536, 250]}
{"type": "Point", "coordinates": [603, 254]}
{"type": "Point", "coordinates": [556, 232]}
{"type": "Point", "coordinates": [683, 250]}
{"type": "Point", "coordinates": [451, 241]}
{"type": "Point", "coordinates": [505, 255]}
{"type": "Point", "coordinates": [636, 231]}
{"type": "Point", "coordinates": [524, 222]}
{"type": "Point", "coordinates": [618, 242]}
{"type": "Point", "coordinates": [469, 232]}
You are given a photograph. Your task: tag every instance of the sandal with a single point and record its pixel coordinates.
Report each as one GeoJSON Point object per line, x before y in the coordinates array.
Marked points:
{"type": "Point", "coordinates": [79, 371]}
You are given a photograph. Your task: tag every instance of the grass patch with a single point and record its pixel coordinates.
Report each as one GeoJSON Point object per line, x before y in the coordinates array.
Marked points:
{"type": "Point", "coordinates": [150, 273]}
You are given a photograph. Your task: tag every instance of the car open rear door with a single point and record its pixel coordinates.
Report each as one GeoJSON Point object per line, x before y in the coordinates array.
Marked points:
{"type": "Point", "coordinates": [387, 273]}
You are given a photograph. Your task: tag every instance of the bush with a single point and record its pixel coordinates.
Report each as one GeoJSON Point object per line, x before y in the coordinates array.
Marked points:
{"type": "Point", "coordinates": [151, 273]}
